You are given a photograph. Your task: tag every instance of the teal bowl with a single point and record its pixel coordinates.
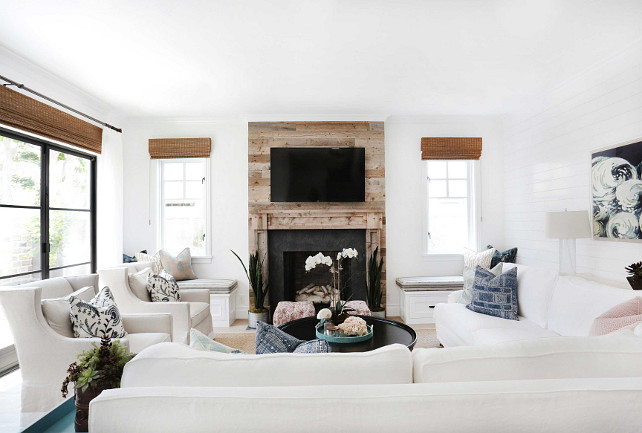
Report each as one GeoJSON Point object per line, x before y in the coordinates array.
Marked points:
{"type": "Point", "coordinates": [343, 339]}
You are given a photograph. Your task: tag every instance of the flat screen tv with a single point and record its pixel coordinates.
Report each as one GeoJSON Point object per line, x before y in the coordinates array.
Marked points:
{"type": "Point", "coordinates": [318, 175]}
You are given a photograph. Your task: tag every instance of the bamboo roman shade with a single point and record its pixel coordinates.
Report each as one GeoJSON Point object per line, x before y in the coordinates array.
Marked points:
{"type": "Point", "coordinates": [30, 115]}
{"type": "Point", "coordinates": [169, 148]}
{"type": "Point", "coordinates": [451, 147]}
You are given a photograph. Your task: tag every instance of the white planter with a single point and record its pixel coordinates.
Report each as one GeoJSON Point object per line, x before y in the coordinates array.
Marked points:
{"type": "Point", "coordinates": [379, 314]}
{"type": "Point", "coordinates": [252, 318]}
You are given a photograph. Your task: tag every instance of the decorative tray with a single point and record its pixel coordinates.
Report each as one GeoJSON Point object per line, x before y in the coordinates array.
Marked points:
{"type": "Point", "coordinates": [342, 338]}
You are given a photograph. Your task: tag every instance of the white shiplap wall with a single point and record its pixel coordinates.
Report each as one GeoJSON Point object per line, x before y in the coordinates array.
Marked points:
{"type": "Point", "coordinates": [547, 160]}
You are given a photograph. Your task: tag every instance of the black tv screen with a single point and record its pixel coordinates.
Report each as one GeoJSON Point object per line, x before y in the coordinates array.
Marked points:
{"type": "Point", "coordinates": [318, 175]}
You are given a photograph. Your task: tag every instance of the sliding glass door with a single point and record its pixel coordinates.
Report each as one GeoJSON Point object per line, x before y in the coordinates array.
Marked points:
{"type": "Point", "coordinates": [47, 213]}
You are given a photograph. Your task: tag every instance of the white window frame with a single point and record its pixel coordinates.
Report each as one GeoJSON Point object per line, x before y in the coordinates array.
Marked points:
{"type": "Point", "coordinates": [474, 214]}
{"type": "Point", "coordinates": [207, 258]}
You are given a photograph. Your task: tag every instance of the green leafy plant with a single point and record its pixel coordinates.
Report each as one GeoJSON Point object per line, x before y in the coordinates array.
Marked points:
{"type": "Point", "coordinates": [98, 368]}
{"type": "Point", "coordinates": [635, 271]}
{"type": "Point", "coordinates": [255, 278]}
{"type": "Point", "coordinates": [375, 292]}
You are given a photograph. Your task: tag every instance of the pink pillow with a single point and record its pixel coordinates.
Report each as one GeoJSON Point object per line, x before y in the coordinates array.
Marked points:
{"type": "Point", "coordinates": [624, 315]}
{"type": "Point", "coordinates": [179, 267]}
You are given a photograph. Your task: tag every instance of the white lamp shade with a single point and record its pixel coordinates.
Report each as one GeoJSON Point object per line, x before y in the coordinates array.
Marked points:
{"type": "Point", "coordinates": [568, 225]}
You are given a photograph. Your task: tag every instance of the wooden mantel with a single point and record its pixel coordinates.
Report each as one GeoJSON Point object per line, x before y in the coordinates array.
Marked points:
{"type": "Point", "coordinates": [265, 215]}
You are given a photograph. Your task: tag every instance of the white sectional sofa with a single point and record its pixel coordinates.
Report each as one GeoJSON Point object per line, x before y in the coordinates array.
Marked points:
{"type": "Point", "coordinates": [170, 388]}
{"type": "Point", "coordinates": [549, 306]}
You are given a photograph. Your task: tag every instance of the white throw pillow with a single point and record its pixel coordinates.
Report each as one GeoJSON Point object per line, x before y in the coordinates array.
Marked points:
{"type": "Point", "coordinates": [57, 313]}
{"type": "Point", "coordinates": [472, 259]}
{"type": "Point", "coordinates": [163, 288]}
{"type": "Point", "coordinates": [98, 317]}
{"type": "Point", "coordinates": [154, 260]}
{"type": "Point", "coordinates": [138, 284]}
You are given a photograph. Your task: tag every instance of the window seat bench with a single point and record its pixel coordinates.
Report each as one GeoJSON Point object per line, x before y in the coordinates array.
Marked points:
{"type": "Point", "coordinates": [419, 295]}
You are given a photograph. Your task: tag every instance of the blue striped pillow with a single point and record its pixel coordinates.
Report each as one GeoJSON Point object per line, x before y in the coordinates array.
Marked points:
{"type": "Point", "coordinates": [495, 295]}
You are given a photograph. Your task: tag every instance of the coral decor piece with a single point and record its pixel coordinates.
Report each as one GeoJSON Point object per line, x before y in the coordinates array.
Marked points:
{"type": "Point", "coordinates": [354, 325]}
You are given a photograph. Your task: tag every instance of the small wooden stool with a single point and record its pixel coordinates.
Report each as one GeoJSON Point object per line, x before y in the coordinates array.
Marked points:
{"type": "Point", "coordinates": [359, 307]}
{"type": "Point", "coordinates": [287, 311]}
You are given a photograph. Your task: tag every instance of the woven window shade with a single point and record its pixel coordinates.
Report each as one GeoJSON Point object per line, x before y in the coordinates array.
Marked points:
{"type": "Point", "coordinates": [170, 148]}
{"type": "Point", "coordinates": [25, 113]}
{"type": "Point", "coordinates": [451, 147]}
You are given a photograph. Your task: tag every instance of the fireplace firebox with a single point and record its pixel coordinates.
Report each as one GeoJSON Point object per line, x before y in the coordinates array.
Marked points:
{"type": "Point", "coordinates": [289, 281]}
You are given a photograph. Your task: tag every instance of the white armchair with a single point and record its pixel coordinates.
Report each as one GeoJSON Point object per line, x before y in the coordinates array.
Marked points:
{"type": "Point", "coordinates": [192, 312]}
{"type": "Point", "coordinates": [44, 355]}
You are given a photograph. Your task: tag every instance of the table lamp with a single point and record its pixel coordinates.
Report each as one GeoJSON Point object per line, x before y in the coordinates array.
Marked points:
{"type": "Point", "coordinates": [568, 226]}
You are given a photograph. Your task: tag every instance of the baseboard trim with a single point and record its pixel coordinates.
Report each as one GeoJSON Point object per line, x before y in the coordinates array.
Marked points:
{"type": "Point", "coordinates": [241, 312]}
{"type": "Point", "coordinates": [393, 310]}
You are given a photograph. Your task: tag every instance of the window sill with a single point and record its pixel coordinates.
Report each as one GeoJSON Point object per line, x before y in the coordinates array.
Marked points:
{"type": "Point", "coordinates": [202, 260]}
{"type": "Point", "coordinates": [442, 257]}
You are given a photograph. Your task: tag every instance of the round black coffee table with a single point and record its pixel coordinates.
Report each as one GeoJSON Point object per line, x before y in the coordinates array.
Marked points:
{"type": "Point", "coordinates": [385, 332]}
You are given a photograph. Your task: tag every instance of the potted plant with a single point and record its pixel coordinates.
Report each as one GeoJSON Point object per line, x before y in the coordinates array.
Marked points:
{"type": "Point", "coordinates": [96, 370]}
{"type": "Point", "coordinates": [373, 283]}
{"type": "Point", "coordinates": [635, 275]}
{"type": "Point", "coordinates": [259, 288]}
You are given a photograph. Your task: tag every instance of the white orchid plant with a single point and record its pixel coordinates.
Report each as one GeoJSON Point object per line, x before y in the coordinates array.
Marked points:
{"type": "Point", "coordinates": [337, 306]}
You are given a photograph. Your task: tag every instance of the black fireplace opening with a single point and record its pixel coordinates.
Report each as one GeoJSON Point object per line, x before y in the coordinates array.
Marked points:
{"type": "Point", "coordinates": [288, 251]}
{"type": "Point", "coordinates": [317, 284]}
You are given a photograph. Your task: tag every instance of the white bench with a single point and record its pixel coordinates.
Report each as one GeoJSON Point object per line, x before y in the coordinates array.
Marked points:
{"type": "Point", "coordinates": [419, 295]}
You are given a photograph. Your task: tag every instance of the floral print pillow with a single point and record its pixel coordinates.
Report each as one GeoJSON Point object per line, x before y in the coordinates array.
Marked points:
{"type": "Point", "coordinates": [163, 288]}
{"type": "Point", "coordinates": [98, 317]}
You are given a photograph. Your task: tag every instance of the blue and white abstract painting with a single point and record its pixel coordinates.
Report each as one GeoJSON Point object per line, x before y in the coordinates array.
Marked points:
{"type": "Point", "coordinates": [616, 178]}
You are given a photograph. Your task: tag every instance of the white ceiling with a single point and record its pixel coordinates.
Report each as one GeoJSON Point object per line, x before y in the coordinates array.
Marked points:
{"type": "Point", "coordinates": [318, 58]}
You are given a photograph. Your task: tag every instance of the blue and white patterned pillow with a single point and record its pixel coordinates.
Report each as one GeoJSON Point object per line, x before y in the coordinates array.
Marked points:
{"type": "Point", "coordinates": [313, 346]}
{"type": "Point", "coordinates": [495, 295]}
{"type": "Point", "coordinates": [98, 317]}
{"type": "Point", "coordinates": [469, 280]}
{"type": "Point", "coordinates": [163, 288]}
{"type": "Point", "coordinates": [270, 339]}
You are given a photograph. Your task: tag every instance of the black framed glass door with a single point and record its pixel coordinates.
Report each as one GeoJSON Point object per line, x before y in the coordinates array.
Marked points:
{"type": "Point", "coordinates": [47, 213]}
{"type": "Point", "coordinates": [47, 209]}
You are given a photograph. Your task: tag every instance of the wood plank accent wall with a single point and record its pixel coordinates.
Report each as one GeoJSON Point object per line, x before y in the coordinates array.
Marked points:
{"type": "Point", "coordinates": [265, 215]}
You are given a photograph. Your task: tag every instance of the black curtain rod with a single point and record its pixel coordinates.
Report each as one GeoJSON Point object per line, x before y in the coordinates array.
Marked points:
{"type": "Point", "coordinates": [66, 107]}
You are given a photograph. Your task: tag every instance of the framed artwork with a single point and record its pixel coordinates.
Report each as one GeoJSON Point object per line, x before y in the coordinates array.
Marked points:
{"type": "Point", "coordinates": [616, 192]}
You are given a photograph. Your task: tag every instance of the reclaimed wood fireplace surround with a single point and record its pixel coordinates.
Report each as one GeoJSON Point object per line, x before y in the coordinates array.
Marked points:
{"type": "Point", "coordinates": [265, 215]}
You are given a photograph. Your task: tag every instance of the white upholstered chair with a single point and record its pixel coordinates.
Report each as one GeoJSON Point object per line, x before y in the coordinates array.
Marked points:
{"type": "Point", "coordinates": [192, 312]}
{"type": "Point", "coordinates": [44, 354]}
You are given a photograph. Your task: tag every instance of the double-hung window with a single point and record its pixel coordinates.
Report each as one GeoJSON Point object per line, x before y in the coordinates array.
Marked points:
{"type": "Point", "coordinates": [450, 216]}
{"type": "Point", "coordinates": [184, 205]}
